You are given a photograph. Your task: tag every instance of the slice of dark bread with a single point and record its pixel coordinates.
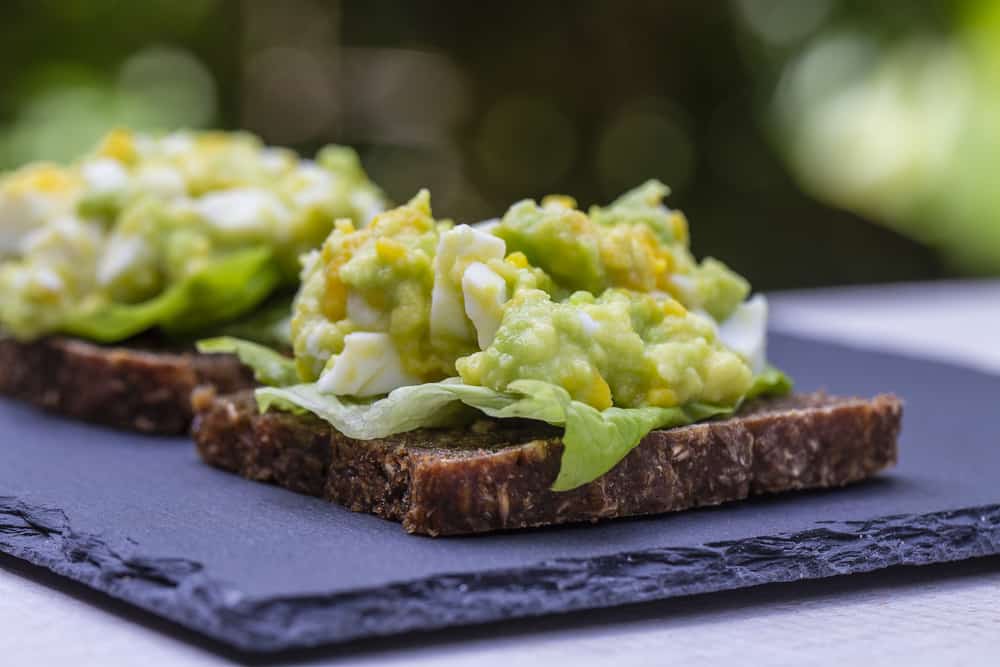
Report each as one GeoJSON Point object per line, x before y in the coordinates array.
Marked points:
{"type": "Point", "coordinates": [495, 475]}
{"type": "Point", "coordinates": [142, 387]}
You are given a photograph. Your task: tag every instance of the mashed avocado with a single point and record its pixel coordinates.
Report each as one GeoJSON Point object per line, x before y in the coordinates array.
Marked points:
{"type": "Point", "coordinates": [374, 279]}
{"type": "Point", "coordinates": [635, 243]}
{"type": "Point", "coordinates": [162, 222]}
{"type": "Point", "coordinates": [610, 305]}
{"type": "Point", "coordinates": [621, 348]}
{"type": "Point", "coordinates": [395, 276]}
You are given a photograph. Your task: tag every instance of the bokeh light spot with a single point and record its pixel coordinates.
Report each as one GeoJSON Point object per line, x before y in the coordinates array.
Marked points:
{"type": "Point", "coordinates": [403, 95]}
{"type": "Point", "coordinates": [156, 89]}
{"type": "Point", "coordinates": [289, 95]}
{"type": "Point", "coordinates": [644, 143]}
{"type": "Point", "coordinates": [883, 133]}
{"type": "Point", "coordinates": [783, 22]}
{"type": "Point", "coordinates": [526, 144]}
{"type": "Point", "coordinates": [403, 170]}
{"type": "Point", "coordinates": [173, 84]}
{"type": "Point", "coordinates": [267, 23]}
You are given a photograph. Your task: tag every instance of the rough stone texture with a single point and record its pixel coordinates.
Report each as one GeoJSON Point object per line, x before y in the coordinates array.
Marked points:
{"type": "Point", "coordinates": [264, 570]}
{"type": "Point", "coordinates": [180, 590]}
{"type": "Point", "coordinates": [496, 475]}
{"type": "Point", "coordinates": [136, 388]}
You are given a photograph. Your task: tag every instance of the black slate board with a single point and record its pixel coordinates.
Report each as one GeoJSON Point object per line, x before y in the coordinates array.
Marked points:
{"type": "Point", "coordinates": [264, 569]}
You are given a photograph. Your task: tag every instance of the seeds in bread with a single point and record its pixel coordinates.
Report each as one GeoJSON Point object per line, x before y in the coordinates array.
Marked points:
{"type": "Point", "coordinates": [146, 390]}
{"type": "Point", "coordinates": [496, 475]}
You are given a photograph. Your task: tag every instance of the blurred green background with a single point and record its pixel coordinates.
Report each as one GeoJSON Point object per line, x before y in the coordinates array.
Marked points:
{"type": "Point", "coordinates": [810, 142]}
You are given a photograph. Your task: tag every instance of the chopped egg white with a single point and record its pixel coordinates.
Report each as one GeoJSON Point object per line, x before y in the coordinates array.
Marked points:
{"type": "Point", "coordinates": [359, 312]}
{"type": "Point", "coordinates": [685, 285]}
{"type": "Point", "coordinates": [368, 204]}
{"type": "Point", "coordinates": [20, 214]}
{"type": "Point", "coordinates": [65, 241]}
{"type": "Point", "coordinates": [309, 260]}
{"type": "Point", "coordinates": [275, 160]}
{"type": "Point", "coordinates": [177, 144]}
{"type": "Point", "coordinates": [486, 225]}
{"type": "Point", "coordinates": [745, 332]}
{"type": "Point", "coordinates": [160, 180]}
{"type": "Point", "coordinates": [316, 184]}
{"type": "Point", "coordinates": [589, 324]}
{"type": "Point", "coordinates": [242, 210]}
{"type": "Point", "coordinates": [29, 198]}
{"type": "Point", "coordinates": [368, 366]}
{"type": "Point", "coordinates": [315, 347]}
{"type": "Point", "coordinates": [457, 249]}
{"type": "Point", "coordinates": [121, 254]}
{"type": "Point", "coordinates": [105, 176]}
{"type": "Point", "coordinates": [706, 318]}
{"type": "Point", "coordinates": [485, 293]}
{"type": "Point", "coordinates": [47, 279]}
{"type": "Point", "coordinates": [145, 145]}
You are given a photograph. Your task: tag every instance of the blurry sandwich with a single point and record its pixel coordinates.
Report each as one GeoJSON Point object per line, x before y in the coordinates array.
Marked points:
{"type": "Point", "coordinates": [111, 266]}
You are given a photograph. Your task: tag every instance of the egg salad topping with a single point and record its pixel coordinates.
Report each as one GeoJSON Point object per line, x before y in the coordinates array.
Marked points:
{"type": "Point", "coordinates": [141, 214]}
{"type": "Point", "coordinates": [608, 304]}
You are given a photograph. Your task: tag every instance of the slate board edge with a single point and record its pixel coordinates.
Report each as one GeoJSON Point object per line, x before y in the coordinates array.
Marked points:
{"type": "Point", "coordinates": [178, 589]}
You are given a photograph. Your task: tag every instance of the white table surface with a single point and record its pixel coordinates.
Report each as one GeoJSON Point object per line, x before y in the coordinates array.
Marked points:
{"type": "Point", "coordinates": [940, 615]}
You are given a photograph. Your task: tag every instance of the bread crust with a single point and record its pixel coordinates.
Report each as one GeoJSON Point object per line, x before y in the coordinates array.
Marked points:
{"type": "Point", "coordinates": [139, 388]}
{"type": "Point", "coordinates": [496, 474]}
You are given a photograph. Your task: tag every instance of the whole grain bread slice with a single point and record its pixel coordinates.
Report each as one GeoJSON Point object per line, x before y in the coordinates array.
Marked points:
{"type": "Point", "coordinates": [495, 474]}
{"type": "Point", "coordinates": [140, 387]}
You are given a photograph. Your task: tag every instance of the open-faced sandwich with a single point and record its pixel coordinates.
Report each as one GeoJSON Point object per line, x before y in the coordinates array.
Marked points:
{"type": "Point", "coordinates": [110, 266]}
{"type": "Point", "coordinates": [551, 366]}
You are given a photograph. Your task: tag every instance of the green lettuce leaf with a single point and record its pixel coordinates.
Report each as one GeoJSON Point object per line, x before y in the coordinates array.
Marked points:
{"type": "Point", "coordinates": [594, 441]}
{"type": "Point", "coordinates": [269, 366]}
{"type": "Point", "coordinates": [771, 382]}
{"type": "Point", "coordinates": [434, 404]}
{"type": "Point", "coordinates": [224, 289]}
